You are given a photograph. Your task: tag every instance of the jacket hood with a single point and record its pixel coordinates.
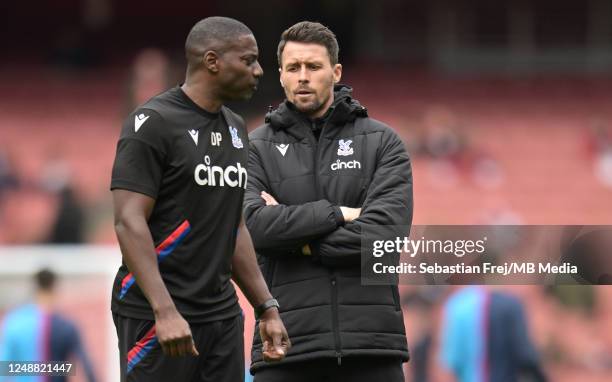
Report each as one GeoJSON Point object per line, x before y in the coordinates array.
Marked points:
{"type": "Point", "coordinates": [345, 109]}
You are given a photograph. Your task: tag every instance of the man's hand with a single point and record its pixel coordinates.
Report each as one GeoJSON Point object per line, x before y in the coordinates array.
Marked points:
{"type": "Point", "coordinates": [174, 334]}
{"type": "Point", "coordinates": [269, 199]}
{"type": "Point", "coordinates": [350, 214]}
{"type": "Point", "coordinates": [273, 336]}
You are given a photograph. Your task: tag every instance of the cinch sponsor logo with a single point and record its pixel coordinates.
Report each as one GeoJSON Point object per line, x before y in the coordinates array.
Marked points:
{"type": "Point", "coordinates": [217, 176]}
{"type": "Point", "coordinates": [338, 165]}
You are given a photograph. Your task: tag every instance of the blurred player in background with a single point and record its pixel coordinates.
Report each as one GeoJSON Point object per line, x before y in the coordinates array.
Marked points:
{"type": "Point", "coordinates": [319, 170]}
{"type": "Point", "coordinates": [485, 338]}
{"type": "Point", "coordinates": [37, 332]}
{"type": "Point", "coordinates": [178, 183]}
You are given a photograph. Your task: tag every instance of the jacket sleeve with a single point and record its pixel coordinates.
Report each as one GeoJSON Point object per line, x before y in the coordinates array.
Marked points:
{"type": "Point", "coordinates": [283, 229]}
{"type": "Point", "coordinates": [388, 202]}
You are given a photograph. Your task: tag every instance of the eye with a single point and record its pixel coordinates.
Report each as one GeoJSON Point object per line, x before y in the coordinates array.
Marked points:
{"type": "Point", "coordinates": [314, 67]}
{"type": "Point", "coordinates": [249, 60]}
{"type": "Point", "coordinates": [292, 68]}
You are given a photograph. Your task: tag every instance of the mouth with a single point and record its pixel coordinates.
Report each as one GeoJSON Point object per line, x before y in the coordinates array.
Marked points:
{"type": "Point", "coordinates": [303, 94]}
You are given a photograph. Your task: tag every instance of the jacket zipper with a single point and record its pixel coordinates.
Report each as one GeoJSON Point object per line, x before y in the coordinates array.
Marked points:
{"type": "Point", "coordinates": [316, 159]}
{"type": "Point", "coordinates": [334, 287]}
{"type": "Point", "coordinates": [316, 143]}
{"type": "Point", "coordinates": [335, 320]}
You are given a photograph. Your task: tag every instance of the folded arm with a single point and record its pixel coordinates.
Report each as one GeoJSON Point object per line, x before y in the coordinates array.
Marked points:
{"type": "Point", "coordinates": [278, 228]}
{"type": "Point", "coordinates": [388, 202]}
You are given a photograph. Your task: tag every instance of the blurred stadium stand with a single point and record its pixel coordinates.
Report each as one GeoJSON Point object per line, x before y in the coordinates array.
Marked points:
{"type": "Point", "coordinates": [534, 133]}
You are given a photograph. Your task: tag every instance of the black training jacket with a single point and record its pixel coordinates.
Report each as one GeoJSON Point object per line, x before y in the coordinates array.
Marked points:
{"type": "Point", "coordinates": [356, 162]}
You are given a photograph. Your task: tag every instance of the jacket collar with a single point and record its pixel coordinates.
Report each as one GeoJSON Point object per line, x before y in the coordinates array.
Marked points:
{"type": "Point", "coordinates": [345, 109]}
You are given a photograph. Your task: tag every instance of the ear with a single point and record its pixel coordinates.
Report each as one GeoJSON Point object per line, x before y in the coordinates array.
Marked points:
{"type": "Point", "coordinates": [211, 61]}
{"type": "Point", "coordinates": [337, 72]}
{"type": "Point", "coordinates": [280, 78]}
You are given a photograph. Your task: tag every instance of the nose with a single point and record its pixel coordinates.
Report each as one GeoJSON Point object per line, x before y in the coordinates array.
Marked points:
{"type": "Point", "coordinates": [303, 74]}
{"type": "Point", "coordinates": [258, 71]}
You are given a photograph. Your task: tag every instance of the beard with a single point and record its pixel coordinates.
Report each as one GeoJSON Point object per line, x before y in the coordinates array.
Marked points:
{"type": "Point", "coordinates": [314, 103]}
{"type": "Point", "coordinates": [309, 107]}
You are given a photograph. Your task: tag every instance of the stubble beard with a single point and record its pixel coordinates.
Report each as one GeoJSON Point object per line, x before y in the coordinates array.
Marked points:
{"type": "Point", "coordinates": [309, 107]}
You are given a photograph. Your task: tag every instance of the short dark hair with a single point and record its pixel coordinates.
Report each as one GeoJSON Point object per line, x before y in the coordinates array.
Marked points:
{"type": "Point", "coordinates": [310, 32]}
{"type": "Point", "coordinates": [213, 33]}
{"type": "Point", "coordinates": [45, 279]}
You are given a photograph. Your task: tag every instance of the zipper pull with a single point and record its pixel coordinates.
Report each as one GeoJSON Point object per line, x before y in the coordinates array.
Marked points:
{"type": "Point", "coordinates": [339, 356]}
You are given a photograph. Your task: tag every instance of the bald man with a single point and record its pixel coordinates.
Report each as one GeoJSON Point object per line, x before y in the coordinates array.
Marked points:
{"type": "Point", "coordinates": [178, 183]}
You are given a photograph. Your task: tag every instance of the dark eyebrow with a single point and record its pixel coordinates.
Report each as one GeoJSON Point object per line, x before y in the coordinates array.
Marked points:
{"type": "Point", "coordinates": [307, 62]}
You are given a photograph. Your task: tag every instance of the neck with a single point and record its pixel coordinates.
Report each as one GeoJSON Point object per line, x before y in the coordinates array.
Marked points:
{"type": "Point", "coordinates": [45, 301]}
{"type": "Point", "coordinates": [321, 112]}
{"type": "Point", "coordinates": [202, 94]}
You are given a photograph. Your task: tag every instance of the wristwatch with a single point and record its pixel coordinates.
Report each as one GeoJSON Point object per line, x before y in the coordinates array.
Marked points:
{"type": "Point", "coordinates": [271, 303]}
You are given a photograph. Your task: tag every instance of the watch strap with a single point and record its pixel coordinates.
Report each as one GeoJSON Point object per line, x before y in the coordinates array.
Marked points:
{"type": "Point", "coordinates": [270, 303]}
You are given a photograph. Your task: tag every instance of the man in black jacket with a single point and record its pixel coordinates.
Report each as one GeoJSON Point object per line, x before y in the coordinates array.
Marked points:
{"type": "Point", "coordinates": [319, 171]}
